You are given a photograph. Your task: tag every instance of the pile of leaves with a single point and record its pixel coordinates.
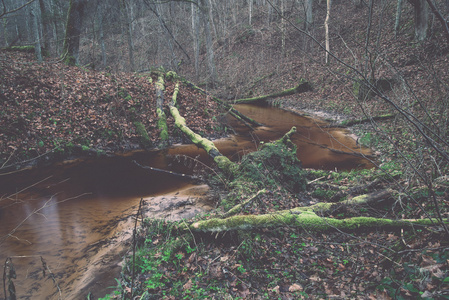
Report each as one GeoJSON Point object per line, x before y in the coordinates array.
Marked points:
{"type": "Point", "coordinates": [54, 108]}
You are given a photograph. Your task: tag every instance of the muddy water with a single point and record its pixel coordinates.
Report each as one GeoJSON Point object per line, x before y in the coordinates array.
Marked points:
{"type": "Point", "coordinates": [76, 217]}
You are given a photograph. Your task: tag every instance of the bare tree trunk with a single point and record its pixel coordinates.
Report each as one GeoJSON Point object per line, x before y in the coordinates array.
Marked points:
{"type": "Point", "coordinates": [56, 14]}
{"type": "Point", "coordinates": [326, 26]}
{"type": "Point", "coordinates": [196, 38]}
{"type": "Point", "coordinates": [45, 25]}
{"type": "Point", "coordinates": [129, 32]}
{"type": "Point", "coordinates": [35, 31]}
{"type": "Point", "coordinates": [282, 29]}
{"type": "Point", "coordinates": [73, 32]}
{"type": "Point", "coordinates": [209, 46]}
{"type": "Point", "coordinates": [421, 19]}
{"type": "Point", "coordinates": [169, 37]}
{"type": "Point", "coordinates": [211, 18]}
{"type": "Point", "coordinates": [309, 15]}
{"type": "Point", "coordinates": [5, 31]}
{"type": "Point", "coordinates": [101, 34]}
{"type": "Point", "coordinates": [250, 11]}
{"type": "Point", "coordinates": [398, 17]}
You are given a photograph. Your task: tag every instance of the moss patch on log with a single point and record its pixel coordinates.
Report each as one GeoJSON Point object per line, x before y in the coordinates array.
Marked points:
{"type": "Point", "coordinates": [144, 137]}
{"type": "Point", "coordinates": [306, 220]}
{"type": "Point", "coordinates": [162, 118]}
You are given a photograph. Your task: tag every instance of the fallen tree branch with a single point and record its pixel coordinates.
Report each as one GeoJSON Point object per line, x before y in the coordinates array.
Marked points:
{"type": "Point", "coordinates": [304, 86]}
{"type": "Point", "coordinates": [306, 217]}
{"type": "Point", "coordinates": [306, 220]}
{"type": "Point", "coordinates": [236, 209]}
{"type": "Point", "coordinates": [353, 190]}
{"type": "Point", "coordinates": [347, 123]}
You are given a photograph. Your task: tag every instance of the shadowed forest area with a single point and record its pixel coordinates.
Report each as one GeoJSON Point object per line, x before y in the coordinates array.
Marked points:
{"type": "Point", "coordinates": [99, 79]}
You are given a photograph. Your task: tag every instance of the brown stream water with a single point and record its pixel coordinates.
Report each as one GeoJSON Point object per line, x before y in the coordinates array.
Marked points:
{"type": "Point", "coordinates": [77, 216]}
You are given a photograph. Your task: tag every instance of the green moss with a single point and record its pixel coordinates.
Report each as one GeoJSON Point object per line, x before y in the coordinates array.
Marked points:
{"type": "Point", "coordinates": [27, 49]}
{"type": "Point", "coordinates": [162, 124]}
{"type": "Point", "coordinates": [275, 164]}
{"type": "Point", "coordinates": [306, 220]}
{"type": "Point", "coordinates": [144, 137]}
{"type": "Point", "coordinates": [70, 60]}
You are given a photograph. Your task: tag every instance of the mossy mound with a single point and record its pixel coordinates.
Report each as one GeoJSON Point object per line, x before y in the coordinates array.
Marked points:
{"type": "Point", "coordinates": [274, 167]}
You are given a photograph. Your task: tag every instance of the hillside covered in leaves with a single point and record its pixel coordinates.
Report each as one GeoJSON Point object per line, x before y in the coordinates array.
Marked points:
{"type": "Point", "coordinates": [51, 108]}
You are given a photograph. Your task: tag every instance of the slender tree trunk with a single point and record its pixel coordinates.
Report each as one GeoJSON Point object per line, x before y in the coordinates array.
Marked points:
{"type": "Point", "coordinates": [165, 31]}
{"type": "Point", "coordinates": [326, 27]}
{"type": "Point", "coordinates": [211, 18]}
{"type": "Point", "coordinates": [73, 32]}
{"type": "Point", "coordinates": [129, 32]}
{"type": "Point", "coordinates": [421, 19]}
{"type": "Point", "coordinates": [5, 31]}
{"type": "Point", "coordinates": [250, 11]}
{"type": "Point", "coordinates": [196, 38]}
{"type": "Point", "coordinates": [283, 29]}
{"type": "Point", "coordinates": [56, 24]}
{"type": "Point", "coordinates": [45, 25]}
{"type": "Point", "coordinates": [35, 31]}
{"type": "Point", "coordinates": [209, 46]}
{"type": "Point", "coordinates": [309, 15]}
{"type": "Point", "coordinates": [101, 34]}
{"type": "Point", "coordinates": [398, 17]}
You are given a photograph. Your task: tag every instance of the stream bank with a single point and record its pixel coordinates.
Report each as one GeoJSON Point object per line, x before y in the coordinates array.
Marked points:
{"type": "Point", "coordinates": [87, 204]}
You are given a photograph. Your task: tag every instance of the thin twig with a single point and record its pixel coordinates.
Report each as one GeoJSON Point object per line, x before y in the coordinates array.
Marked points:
{"type": "Point", "coordinates": [134, 247]}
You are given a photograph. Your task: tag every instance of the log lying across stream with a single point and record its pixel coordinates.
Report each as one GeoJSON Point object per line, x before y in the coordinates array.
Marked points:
{"type": "Point", "coordinates": [302, 87]}
{"type": "Point", "coordinates": [222, 161]}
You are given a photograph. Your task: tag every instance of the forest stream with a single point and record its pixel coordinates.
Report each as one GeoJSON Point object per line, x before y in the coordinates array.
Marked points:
{"type": "Point", "coordinates": [70, 223]}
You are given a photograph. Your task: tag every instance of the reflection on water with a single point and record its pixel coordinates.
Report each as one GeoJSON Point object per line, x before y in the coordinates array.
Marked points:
{"type": "Point", "coordinates": [76, 213]}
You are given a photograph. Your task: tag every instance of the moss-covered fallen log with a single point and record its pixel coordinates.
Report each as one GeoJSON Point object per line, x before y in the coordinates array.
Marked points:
{"type": "Point", "coordinates": [306, 220]}
{"type": "Point", "coordinates": [162, 118]}
{"type": "Point", "coordinates": [222, 161]}
{"type": "Point", "coordinates": [304, 86]}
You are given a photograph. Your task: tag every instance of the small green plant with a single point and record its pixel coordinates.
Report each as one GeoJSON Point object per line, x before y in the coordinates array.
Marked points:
{"type": "Point", "coordinates": [369, 140]}
{"type": "Point", "coordinates": [241, 269]}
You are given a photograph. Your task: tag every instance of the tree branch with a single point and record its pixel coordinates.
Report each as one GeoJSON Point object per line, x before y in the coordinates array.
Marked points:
{"type": "Point", "coordinates": [15, 9]}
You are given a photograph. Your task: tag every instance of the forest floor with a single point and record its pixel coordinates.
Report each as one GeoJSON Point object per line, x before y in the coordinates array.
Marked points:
{"type": "Point", "coordinates": [52, 111]}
